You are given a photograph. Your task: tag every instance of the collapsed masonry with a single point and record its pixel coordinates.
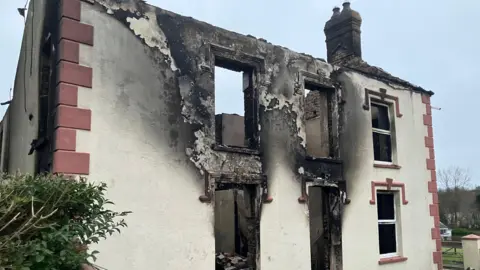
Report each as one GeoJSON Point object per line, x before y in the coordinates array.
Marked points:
{"type": "Point", "coordinates": [235, 217]}
{"type": "Point", "coordinates": [228, 261]}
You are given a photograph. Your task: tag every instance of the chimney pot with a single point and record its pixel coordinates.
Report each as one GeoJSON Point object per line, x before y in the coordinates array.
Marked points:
{"type": "Point", "coordinates": [343, 34]}
{"type": "Point", "coordinates": [336, 11]}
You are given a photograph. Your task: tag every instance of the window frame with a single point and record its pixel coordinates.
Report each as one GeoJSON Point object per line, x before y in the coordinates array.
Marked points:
{"type": "Point", "coordinates": [319, 82]}
{"type": "Point", "coordinates": [391, 132]}
{"type": "Point", "coordinates": [389, 221]}
{"type": "Point", "coordinates": [312, 85]}
{"type": "Point", "coordinates": [250, 103]}
{"type": "Point", "coordinates": [228, 58]}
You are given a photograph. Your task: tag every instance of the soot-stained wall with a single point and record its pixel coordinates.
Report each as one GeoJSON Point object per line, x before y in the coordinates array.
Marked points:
{"type": "Point", "coordinates": [153, 127]}
{"type": "Point", "coordinates": [23, 111]}
{"type": "Point", "coordinates": [151, 138]}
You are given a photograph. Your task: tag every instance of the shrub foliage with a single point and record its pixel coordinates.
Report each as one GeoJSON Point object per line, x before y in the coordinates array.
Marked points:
{"type": "Point", "coordinates": [462, 232]}
{"type": "Point", "coordinates": [47, 221]}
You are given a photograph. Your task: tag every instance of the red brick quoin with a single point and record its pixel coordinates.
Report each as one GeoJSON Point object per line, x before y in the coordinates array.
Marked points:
{"type": "Point", "coordinates": [70, 75]}
{"type": "Point", "coordinates": [432, 182]}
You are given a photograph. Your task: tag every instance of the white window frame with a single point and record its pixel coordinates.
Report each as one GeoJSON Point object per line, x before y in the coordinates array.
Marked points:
{"type": "Point", "coordinates": [390, 221]}
{"type": "Point", "coordinates": [383, 131]}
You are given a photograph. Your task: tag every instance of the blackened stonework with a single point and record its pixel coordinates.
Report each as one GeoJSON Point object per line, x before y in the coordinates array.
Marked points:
{"type": "Point", "coordinates": [312, 104]}
{"type": "Point", "coordinates": [185, 52]}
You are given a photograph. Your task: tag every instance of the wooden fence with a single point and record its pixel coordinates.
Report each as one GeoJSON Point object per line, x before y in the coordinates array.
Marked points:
{"type": "Point", "coordinates": [452, 255]}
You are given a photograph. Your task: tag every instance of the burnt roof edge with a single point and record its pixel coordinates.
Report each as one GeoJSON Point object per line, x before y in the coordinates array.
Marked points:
{"type": "Point", "coordinates": [390, 79]}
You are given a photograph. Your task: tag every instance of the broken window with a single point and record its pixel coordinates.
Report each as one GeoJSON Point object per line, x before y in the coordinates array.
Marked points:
{"type": "Point", "coordinates": [235, 112]}
{"type": "Point", "coordinates": [318, 121]}
{"type": "Point", "coordinates": [382, 132]}
{"type": "Point", "coordinates": [387, 224]}
{"type": "Point", "coordinates": [235, 241]}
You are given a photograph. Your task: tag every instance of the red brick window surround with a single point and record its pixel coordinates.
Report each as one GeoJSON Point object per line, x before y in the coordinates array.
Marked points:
{"type": "Point", "coordinates": [384, 109]}
{"type": "Point", "coordinates": [388, 184]}
{"type": "Point", "coordinates": [71, 78]}
{"type": "Point", "coordinates": [432, 182]}
{"type": "Point", "coordinates": [395, 259]}
{"type": "Point", "coordinates": [389, 226]}
{"type": "Point", "coordinates": [383, 96]}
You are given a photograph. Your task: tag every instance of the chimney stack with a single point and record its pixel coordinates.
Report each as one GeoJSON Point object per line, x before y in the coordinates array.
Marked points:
{"type": "Point", "coordinates": [342, 33]}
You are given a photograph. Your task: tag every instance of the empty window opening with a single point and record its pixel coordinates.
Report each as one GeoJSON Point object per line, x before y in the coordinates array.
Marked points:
{"type": "Point", "coordinates": [318, 121]}
{"type": "Point", "coordinates": [387, 224]}
{"type": "Point", "coordinates": [235, 105]}
{"type": "Point", "coordinates": [235, 242]}
{"type": "Point", "coordinates": [382, 132]}
{"type": "Point", "coordinates": [228, 91]}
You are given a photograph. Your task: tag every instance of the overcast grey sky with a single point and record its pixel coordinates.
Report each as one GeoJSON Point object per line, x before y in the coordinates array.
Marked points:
{"type": "Point", "coordinates": [432, 43]}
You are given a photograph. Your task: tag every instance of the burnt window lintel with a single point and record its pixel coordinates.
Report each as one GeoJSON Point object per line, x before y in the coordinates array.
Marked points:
{"type": "Point", "coordinates": [234, 149]}
{"type": "Point", "coordinates": [216, 178]}
{"type": "Point", "coordinates": [312, 81]}
{"type": "Point", "coordinates": [381, 96]}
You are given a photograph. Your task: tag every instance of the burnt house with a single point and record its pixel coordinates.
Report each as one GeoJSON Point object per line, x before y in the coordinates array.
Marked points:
{"type": "Point", "coordinates": [124, 93]}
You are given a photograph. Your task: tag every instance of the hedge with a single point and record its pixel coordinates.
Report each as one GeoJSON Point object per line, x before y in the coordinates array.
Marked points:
{"type": "Point", "coordinates": [47, 221]}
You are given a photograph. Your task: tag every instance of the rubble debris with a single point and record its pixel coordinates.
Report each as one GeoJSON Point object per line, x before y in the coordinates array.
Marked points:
{"type": "Point", "coordinates": [228, 261]}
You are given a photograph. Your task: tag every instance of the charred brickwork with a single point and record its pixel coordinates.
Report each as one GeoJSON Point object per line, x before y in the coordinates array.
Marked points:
{"type": "Point", "coordinates": [313, 102]}
{"type": "Point", "coordinates": [319, 118]}
{"type": "Point", "coordinates": [343, 34]}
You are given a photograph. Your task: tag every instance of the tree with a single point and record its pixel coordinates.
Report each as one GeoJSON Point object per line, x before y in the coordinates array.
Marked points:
{"type": "Point", "coordinates": [47, 221]}
{"type": "Point", "coordinates": [454, 184]}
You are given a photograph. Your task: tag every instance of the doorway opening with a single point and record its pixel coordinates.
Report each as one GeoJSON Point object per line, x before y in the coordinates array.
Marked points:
{"type": "Point", "coordinates": [236, 227]}
{"type": "Point", "coordinates": [324, 204]}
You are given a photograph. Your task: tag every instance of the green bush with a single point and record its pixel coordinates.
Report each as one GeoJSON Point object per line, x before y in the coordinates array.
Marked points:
{"type": "Point", "coordinates": [461, 232]}
{"type": "Point", "coordinates": [47, 221]}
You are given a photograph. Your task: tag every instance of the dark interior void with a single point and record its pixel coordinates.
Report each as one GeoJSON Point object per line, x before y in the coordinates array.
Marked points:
{"type": "Point", "coordinates": [235, 228]}
{"type": "Point", "coordinates": [318, 121]}
{"type": "Point", "coordinates": [318, 243]}
{"type": "Point", "coordinates": [382, 147]}
{"type": "Point", "coordinates": [235, 126]}
{"type": "Point", "coordinates": [387, 235]}
{"type": "Point", "coordinates": [387, 238]}
{"type": "Point", "coordinates": [325, 213]}
{"type": "Point", "coordinates": [44, 129]}
{"type": "Point", "coordinates": [382, 136]}
{"type": "Point", "coordinates": [380, 117]}
{"type": "Point", "coordinates": [43, 145]}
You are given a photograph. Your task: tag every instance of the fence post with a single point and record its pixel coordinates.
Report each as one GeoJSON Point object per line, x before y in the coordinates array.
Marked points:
{"type": "Point", "coordinates": [471, 251]}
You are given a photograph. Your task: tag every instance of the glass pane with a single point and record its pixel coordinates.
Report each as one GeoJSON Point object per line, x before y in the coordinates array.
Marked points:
{"type": "Point", "coordinates": [380, 117]}
{"type": "Point", "coordinates": [382, 147]}
{"type": "Point", "coordinates": [385, 206]}
{"type": "Point", "coordinates": [387, 238]}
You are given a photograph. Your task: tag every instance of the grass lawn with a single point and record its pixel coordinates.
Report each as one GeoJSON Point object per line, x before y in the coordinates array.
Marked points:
{"type": "Point", "coordinates": [452, 256]}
